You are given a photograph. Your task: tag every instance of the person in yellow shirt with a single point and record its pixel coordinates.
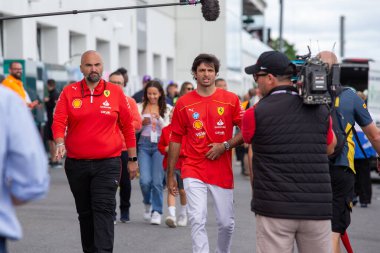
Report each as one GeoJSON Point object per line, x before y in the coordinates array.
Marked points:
{"type": "Point", "coordinates": [13, 82]}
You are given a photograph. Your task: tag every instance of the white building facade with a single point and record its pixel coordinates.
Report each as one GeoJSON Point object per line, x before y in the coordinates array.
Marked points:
{"type": "Point", "coordinates": [161, 42]}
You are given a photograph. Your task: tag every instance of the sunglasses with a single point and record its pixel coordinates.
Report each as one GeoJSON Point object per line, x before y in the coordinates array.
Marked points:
{"type": "Point", "coordinates": [119, 83]}
{"type": "Point", "coordinates": [256, 76]}
{"type": "Point", "coordinates": [190, 88]}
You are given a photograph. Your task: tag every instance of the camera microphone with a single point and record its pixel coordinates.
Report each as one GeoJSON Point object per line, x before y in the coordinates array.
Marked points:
{"type": "Point", "coordinates": [210, 9]}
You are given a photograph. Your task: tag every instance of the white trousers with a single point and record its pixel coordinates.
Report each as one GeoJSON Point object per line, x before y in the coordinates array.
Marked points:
{"type": "Point", "coordinates": [196, 193]}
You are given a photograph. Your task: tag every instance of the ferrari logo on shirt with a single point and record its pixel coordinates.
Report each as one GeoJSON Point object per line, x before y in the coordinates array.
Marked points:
{"type": "Point", "coordinates": [198, 125]}
{"type": "Point", "coordinates": [77, 103]}
{"type": "Point", "coordinates": [364, 106]}
{"type": "Point", "coordinates": [220, 110]}
{"type": "Point", "coordinates": [107, 93]}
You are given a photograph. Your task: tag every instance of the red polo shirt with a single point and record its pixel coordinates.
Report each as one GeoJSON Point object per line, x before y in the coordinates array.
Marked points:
{"type": "Point", "coordinates": [90, 121]}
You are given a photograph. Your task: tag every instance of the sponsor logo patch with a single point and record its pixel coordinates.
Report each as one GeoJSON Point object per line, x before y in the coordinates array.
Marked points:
{"type": "Point", "coordinates": [198, 125]}
{"type": "Point", "coordinates": [195, 115]}
{"type": "Point", "coordinates": [105, 105]}
{"type": "Point", "coordinates": [77, 103]}
{"type": "Point", "coordinates": [200, 135]}
{"type": "Point", "coordinates": [105, 112]}
{"type": "Point", "coordinates": [220, 124]}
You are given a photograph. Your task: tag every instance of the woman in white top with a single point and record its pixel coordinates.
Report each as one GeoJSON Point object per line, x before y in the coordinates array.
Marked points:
{"type": "Point", "coordinates": [155, 115]}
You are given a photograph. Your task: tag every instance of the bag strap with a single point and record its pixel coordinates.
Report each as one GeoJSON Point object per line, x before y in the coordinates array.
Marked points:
{"type": "Point", "coordinates": [360, 144]}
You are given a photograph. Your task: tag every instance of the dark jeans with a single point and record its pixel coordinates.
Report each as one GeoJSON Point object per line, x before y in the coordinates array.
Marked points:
{"type": "Point", "coordinates": [125, 185]}
{"type": "Point", "coordinates": [3, 245]}
{"type": "Point", "coordinates": [94, 184]}
{"type": "Point", "coordinates": [363, 186]}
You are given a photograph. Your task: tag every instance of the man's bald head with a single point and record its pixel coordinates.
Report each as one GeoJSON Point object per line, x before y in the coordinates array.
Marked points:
{"type": "Point", "coordinates": [92, 66]}
{"type": "Point", "coordinates": [90, 53]}
{"type": "Point", "coordinates": [328, 57]}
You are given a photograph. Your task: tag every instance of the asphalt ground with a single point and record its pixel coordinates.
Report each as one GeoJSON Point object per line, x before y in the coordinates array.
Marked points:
{"type": "Point", "coordinates": [51, 226]}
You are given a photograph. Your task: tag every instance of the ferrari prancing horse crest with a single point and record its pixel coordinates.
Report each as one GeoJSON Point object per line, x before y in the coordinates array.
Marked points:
{"type": "Point", "coordinates": [220, 110]}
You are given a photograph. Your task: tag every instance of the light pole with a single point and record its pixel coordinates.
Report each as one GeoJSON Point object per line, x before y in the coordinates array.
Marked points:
{"type": "Point", "coordinates": [342, 35]}
{"type": "Point", "coordinates": [281, 41]}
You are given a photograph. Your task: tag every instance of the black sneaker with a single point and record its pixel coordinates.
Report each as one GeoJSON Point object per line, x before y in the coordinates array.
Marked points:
{"type": "Point", "coordinates": [124, 217]}
{"type": "Point", "coordinates": [355, 200]}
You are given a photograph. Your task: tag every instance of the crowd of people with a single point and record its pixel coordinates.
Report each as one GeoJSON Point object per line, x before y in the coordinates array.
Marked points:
{"type": "Point", "coordinates": [182, 138]}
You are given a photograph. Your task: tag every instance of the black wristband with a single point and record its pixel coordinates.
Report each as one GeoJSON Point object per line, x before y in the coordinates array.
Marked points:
{"type": "Point", "coordinates": [132, 159]}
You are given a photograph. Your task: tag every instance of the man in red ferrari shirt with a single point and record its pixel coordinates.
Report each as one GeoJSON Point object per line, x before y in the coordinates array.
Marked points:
{"type": "Point", "coordinates": [205, 117]}
{"type": "Point", "coordinates": [87, 122]}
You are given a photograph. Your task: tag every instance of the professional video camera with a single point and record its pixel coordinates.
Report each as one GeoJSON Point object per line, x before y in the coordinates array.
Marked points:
{"type": "Point", "coordinates": [315, 83]}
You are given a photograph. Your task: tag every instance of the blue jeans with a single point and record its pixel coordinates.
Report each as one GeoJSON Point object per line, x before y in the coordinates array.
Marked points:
{"type": "Point", "coordinates": [151, 173]}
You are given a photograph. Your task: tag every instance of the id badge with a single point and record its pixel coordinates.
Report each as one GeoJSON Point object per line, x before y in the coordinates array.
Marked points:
{"type": "Point", "coordinates": [153, 137]}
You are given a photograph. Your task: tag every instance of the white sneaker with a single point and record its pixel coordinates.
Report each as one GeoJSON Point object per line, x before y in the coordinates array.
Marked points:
{"type": "Point", "coordinates": [156, 218]}
{"type": "Point", "coordinates": [182, 220]}
{"type": "Point", "coordinates": [171, 221]}
{"type": "Point", "coordinates": [148, 212]}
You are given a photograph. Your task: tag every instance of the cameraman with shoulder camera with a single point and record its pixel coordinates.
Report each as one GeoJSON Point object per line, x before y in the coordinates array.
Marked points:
{"type": "Point", "coordinates": [290, 142]}
{"type": "Point", "coordinates": [352, 109]}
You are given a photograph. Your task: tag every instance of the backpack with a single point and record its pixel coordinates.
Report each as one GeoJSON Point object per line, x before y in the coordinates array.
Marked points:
{"type": "Point", "coordinates": [339, 130]}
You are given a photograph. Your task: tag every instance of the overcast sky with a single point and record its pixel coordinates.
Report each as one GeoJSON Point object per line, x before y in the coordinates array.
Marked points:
{"type": "Point", "coordinates": [316, 23]}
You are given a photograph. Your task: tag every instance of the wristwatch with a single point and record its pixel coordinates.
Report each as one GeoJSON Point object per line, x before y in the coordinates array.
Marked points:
{"type": "Point", "coordinates": [227, 146]}
{"type": "Point", "coordinates": [132, 159]}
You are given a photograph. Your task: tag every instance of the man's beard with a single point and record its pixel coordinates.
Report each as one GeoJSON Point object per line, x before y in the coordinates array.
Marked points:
{"type": "Point", "coordinates": [93, 78]}
{"type": "Point", "coordinates": [17, 76]}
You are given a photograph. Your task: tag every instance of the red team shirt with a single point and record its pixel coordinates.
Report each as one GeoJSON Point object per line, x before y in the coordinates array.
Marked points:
{"type": "Point", "coordinates": [164, 142]}
{"type": "Point", "coordinates": [93, 122]}
{"type": "Point", "coordinates": [202, 121]}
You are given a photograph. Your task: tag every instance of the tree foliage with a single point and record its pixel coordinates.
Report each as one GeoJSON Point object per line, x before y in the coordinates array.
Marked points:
{"type": "Point", "coordinates": [289, 49]}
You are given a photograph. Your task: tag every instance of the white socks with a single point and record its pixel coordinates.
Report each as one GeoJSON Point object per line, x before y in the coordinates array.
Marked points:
{"type": "Point", "coordinates": [171, 210]}
{"type": "Point", "coordinates": [183, 210]}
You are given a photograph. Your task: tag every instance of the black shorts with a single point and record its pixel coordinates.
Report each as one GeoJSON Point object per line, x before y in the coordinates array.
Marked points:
{"type": "Point", "coordinates": [342, 181]}
{"type": "Point", "coordinates": [177, 174]}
